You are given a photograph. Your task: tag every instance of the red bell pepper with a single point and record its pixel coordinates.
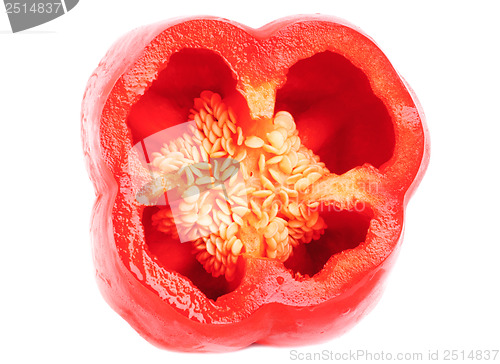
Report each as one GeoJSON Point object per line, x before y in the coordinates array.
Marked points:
{"type": "Point", "coordinates": [317, 144]}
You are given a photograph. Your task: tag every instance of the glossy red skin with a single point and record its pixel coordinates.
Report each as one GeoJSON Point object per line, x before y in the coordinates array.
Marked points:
{"type": "Point", "coordinates": [270, 306]}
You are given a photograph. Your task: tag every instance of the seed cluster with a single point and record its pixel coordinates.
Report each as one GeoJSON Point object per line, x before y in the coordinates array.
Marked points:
{"type": "Point", "coordinates": [237, 186]}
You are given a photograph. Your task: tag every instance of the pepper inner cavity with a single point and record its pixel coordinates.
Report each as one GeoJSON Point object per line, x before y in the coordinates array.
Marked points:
{"type": "Point", "coordinates": [241, 187]}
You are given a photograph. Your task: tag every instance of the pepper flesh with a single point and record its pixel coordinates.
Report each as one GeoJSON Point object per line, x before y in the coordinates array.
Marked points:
{"type": "Point", "coordinates": [162, 303]}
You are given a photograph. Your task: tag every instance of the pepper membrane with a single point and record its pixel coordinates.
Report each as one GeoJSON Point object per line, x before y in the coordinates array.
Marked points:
{"type": "Point", "coordinates": [274, 211]}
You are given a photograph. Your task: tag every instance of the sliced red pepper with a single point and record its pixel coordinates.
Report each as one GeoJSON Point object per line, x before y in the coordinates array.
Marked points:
{"type": "Point", "coordinates": [327, 142]}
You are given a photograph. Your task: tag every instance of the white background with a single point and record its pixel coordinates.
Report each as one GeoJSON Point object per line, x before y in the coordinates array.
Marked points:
{"type": "Point", "coordinates": [443, 292]}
